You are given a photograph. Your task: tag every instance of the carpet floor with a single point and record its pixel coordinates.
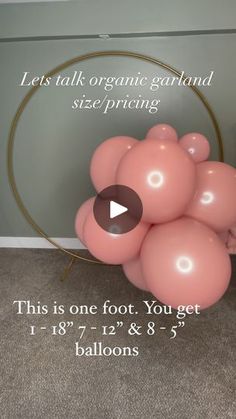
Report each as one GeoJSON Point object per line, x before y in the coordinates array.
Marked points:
{"type": "Point", "coordinates": [190, 376]}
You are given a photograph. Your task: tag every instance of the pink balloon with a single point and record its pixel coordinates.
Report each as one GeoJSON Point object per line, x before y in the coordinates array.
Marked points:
{"type": "Point", "coordinates": [163, 175]}
{"type": "Point", "coordinates": [185, 263]}
{"type": "Point", "coordinates": [233, 230]}
{"type": "Point", "coordinates": [231, 241]}
{"type": "Point", "coordinates": [106, 158]}
{"type": "Point", "coordinates": [81, 216]}
{"type": "Point", "coordinates": [162, 132]}
{"type": "Point", "coordinates": [196, 145]}
{"type": "Point", "coordinates": [231, 244]}
{"type": "Point", "coordinates": [133, 272]}
{"type": "Point", "coordinates": [224, 236]}
{"type": "Point", "coordinates": [113, 248]}
{"type": "Point", "coordinates": [215, 200]}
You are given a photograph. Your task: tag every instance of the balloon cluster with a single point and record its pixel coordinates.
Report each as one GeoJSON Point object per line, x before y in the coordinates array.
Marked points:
{"type": "Point", "coordinates": [176, 250]}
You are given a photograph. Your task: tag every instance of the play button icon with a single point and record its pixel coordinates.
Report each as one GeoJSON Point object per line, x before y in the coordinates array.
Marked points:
{"type": "Point", "coordinates": [117, 209]}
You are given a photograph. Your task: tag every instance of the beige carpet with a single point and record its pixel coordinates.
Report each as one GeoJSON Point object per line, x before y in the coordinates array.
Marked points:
{"type": "Point", "coordinates": [191, 376]}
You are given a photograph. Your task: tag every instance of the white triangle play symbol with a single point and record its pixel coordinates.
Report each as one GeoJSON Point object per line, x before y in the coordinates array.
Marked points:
{"type": "Point", "coordinates": [116, 209]}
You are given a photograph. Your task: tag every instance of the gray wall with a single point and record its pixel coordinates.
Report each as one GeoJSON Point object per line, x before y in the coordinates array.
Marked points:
{"type": "Point", "coordinates": [53, 143]}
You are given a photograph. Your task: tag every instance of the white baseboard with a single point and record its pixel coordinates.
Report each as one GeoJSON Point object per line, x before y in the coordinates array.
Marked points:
{"type": "Point", "coordinates": [39, 243]}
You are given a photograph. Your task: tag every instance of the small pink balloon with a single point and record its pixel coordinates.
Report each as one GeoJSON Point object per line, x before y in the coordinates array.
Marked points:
{"type": "Point", "coordinates": [113, 248]}
{"type": "Point", "coordinates": [233, 230]}
{"type": "Point", "coordinates": [162, 132]}
{"type": "Point", "coordinates": [81, 216]}
{"type": "Point", "coordinates": [215, 200]}
{"type": "Point", "coordinates": [106, 158]}
{"type": "Point", "coordinates": [224, 236]}
{"type": "Point", "coordinates": [231, 241]}
{"type": "Point", "coordinates": [196, 145]}
{"type": "Point", "coordinates": [231, 244]}
{"type": "Point", "coordinates": [163, 175]}
{"type": "Point", "coordinates": [185, 263]}
{"type": "Point", "coordinates": [133, 272]}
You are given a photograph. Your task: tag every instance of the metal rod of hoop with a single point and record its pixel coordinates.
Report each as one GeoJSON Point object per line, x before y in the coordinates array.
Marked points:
{"type": "Point", "coordinates": [53, 72]}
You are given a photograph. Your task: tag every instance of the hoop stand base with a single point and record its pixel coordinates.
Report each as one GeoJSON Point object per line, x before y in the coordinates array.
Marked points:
{"type": "Point", "coordinates": [68, 269]}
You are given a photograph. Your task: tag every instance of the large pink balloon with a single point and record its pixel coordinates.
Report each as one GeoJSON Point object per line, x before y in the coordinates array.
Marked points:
{"type": "Point", "coordinates": [113, 248]}
{"type": "Point", "coordinates": [215, 200]}
{"type": "Point", "coordinates": [163, 175]}
{"type": "Point", "coordinates": [106, 158]}
{"type": "Point", "coordinates": [81, 216]}
{"type": "Point", "coordinates": [196, 145]}
{"type": "Point", "coordinates": [162, 132]}
{"type": "Point", "coordinates": [133, 272]}
{"type": "Point", "coordinates": [185, 263]}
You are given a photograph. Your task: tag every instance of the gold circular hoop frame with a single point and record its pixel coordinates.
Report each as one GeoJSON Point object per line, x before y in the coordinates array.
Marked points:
{"type": "Point", "coordinates": [53, 72]}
